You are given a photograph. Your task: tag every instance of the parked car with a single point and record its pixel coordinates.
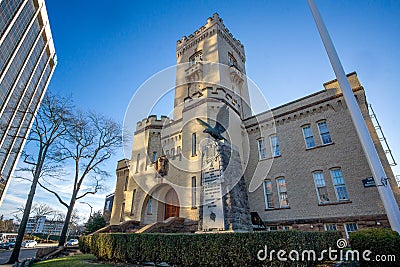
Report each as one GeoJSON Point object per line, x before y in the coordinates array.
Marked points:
{"type": "Point", "coordinates": [7, 245]}
{"type": "Point", "coordinates": [72, 242]}
{"type": "Point", "coordinates": [29, 244]}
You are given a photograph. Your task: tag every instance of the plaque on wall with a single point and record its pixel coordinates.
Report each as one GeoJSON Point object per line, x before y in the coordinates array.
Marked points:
{"type": "Point", "coordinates": [369, 182]}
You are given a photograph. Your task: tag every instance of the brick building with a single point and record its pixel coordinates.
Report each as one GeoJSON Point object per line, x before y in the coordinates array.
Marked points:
{"type": "Point", "coordinates": [303, 163]}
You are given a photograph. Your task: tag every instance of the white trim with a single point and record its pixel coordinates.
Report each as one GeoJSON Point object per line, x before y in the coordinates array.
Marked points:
{"type": "Point", "coordinates": [28, 82]}
{"type": "Point", "coordinates": [29, 127]}
{"type": "Point", "coordinates": [15, 52]}
{"type": "Point", "coordinates": [11, 24]}
{"type": "Point", "coordinates": [304, 136]}
{"type": "Point", "coordinates": [30, 103]}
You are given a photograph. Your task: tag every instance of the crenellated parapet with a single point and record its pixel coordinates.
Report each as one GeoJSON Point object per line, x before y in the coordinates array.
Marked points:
{"type": "Point", "coordinates": [152, 122]}
{"type": "Point", "coordinates": [213, 26]}
{"type": "Point", "coordinates": [210, 94]}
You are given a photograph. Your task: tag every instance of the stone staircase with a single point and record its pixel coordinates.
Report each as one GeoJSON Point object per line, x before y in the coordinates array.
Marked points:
{"type": "Point", "coordinates": [170, 225]}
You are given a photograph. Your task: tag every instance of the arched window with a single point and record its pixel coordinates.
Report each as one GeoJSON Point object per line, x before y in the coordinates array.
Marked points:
{"type": "Point", "coordinates": [195, 58]}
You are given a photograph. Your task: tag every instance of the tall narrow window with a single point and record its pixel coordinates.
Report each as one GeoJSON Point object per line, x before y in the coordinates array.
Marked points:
{"type": "Point", "coordinates": [137, 162]}
{"type": "Point", "coordinates": [308, 136]}
{"type": "Point", "coordinates": [269, 201]}
{"type": "Point", "coordinates": [167, 153]}
{"type": "Point", "coordinates": [150, 206]}
{"type": "Point", "coordinates": [194, 145]}
{"type": "Point", "coordinates": [133, 202]}
{"type": "Point", "coordinates": [154, 156]}
{"type": "Point", "coordinates": [122, 212]}
{"type": "Point", "coordinates": [262, 148]}
{"type": "Point", "coordinates": [126, 183]}
{"type": "Point", "coordinates": [179, 152]}
{"type": "Point", "coordinates": [232, 59]}
{"type": "Point", "coordinates": [320, 185]}
{"type": "Point", "coordinates": [324, 133]}
{"type": "Point", "coordinates": [282, 192]}
{"type": "Point", "coordinates": [276, 149]}
{"type": "Point", "coordinates": [194, 191]}
{"type": "Point", "coordinates": [173, 153]}
{"type": "Point", "coordinates": [338, 182]}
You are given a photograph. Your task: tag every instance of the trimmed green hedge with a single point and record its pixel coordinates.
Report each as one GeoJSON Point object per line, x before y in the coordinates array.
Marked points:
{"type": "Point", "coordinates": [382, 241]}
{"type": "Point", "coordinates": [228, 249]}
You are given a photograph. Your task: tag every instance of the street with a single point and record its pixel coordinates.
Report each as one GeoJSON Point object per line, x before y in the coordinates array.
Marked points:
{"type": "Point", "coordinates": [24, 254]}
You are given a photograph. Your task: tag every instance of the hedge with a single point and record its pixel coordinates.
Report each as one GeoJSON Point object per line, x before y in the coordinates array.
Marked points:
{"type": "Point", "coordinates": [381, 241]}
{"type": "Point", "coordinates": [228, 249]}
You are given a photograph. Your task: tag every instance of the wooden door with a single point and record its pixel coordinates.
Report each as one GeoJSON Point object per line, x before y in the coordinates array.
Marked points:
{"type": "Point", "coordinates": [171, 204]}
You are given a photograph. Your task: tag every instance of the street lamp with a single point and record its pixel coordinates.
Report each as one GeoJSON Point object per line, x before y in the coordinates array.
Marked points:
{"type": "Point", "coordinates": [91, 208]}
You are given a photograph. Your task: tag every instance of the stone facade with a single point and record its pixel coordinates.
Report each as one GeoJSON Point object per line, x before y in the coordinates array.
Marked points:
{"type": "Point", "coordinates": [289, 185]}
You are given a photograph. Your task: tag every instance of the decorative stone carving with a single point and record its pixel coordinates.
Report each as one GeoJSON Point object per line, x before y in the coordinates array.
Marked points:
{"type": "Point", "coordinates": [162, 166]}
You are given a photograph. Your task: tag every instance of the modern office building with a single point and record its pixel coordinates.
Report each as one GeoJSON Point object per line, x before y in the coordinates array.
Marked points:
{"type": "Point", "coordinates": [27, 62]}
{"type": "Point", "coordinates": [108, 204]}
{"type": "Point", "coordinates": [42, 225]}
{"type": "Point", "coordinates": [303, 163]}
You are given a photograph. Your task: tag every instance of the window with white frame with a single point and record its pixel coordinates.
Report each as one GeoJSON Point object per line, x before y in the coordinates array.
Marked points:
{"type": "Point", "coordinates": [350, 227]}
{"type": "Point", "coordinates": [282, 192]}
{"type": "Point", "coordinates": [167, 153]}
{"type": "Point", "coordinates": [268, 194]}
{"type": "Point", "coordinates": [262, 148]}
{"type": "Point", "coordinates": [324, 133]}
{"type": "Point", "coordinates": [320, 185]}
{"type": "Point", "coordinates": [137, 162]}
{"type": "Point", "coordinates": [193, 191]}
{"type": "Point", "coordinates": [308, 136]}
{"type": "Point", "coordinates": [338, 182]}
{"type": "Point", "coordinates": [133, 201]}
{"type": "Point", "coordinates": [276, 149]}
{"type": "Point", "coordinates": [330, 227]}
{"type": "Point", "coordinates": [150, 205]}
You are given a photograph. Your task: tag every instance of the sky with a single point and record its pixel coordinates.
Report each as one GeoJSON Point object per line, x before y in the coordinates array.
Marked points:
{"type": "Point", "coordinates": [107, 49]}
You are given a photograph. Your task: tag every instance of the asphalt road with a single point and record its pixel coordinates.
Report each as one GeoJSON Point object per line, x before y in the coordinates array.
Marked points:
{"type": "Point", "coordinates": [25, 253]}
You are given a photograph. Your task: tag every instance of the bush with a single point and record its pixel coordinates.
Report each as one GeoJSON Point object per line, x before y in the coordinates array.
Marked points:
{"type": "Point", "coordinates": [381, 241]}
{"type": "Point", "coordinates": [228, 249]}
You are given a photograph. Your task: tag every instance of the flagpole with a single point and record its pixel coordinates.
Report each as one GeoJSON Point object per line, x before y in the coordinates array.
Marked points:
{"type": "Point", "coordinates": [385, 191]}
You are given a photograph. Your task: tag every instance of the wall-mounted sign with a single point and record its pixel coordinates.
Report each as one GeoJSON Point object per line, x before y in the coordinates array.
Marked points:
{"type": "Point", "coordinates": [369, 182]}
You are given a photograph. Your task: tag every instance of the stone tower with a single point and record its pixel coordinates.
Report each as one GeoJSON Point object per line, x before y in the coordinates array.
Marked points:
{"type": "Point", "coordinates": [215, 44]}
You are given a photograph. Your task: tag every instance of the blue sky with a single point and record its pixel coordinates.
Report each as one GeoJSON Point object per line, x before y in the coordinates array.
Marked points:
{"type": "Point", "coordinates": [107, 49]}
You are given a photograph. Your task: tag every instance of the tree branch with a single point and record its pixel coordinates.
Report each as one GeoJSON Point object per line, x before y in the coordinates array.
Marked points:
{"type": "Point", "coordinates": [53, 192]}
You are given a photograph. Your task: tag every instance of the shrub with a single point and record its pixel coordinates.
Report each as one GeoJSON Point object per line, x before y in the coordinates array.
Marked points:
{"type": "Point", "coordinates": [381, 241]}
{"type": "Point", "coordinates": [228, 249]}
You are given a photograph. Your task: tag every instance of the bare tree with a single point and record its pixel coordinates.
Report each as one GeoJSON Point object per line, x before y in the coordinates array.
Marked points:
{"type": "Point", "coordinates": [90, 141]}
{"type": "Point", "coordinates": [48, 126]}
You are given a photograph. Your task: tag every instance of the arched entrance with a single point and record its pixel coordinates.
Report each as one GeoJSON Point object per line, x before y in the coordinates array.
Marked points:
{"type": "Point", "coordinates": [171, 204]}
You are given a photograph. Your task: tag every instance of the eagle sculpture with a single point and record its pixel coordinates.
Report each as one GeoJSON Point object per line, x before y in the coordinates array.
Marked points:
{"type": "Point", "coordinates": [221, 124]}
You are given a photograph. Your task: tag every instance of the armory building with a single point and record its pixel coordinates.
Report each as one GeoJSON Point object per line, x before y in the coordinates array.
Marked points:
{"type": "Point", "coordinates": [303, 164]}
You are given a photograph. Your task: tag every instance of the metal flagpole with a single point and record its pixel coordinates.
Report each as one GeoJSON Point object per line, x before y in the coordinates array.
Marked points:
{"type": "Point", "coordinates": [385, 191]}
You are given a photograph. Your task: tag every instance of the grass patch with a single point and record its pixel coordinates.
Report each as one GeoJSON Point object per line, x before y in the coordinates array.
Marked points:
{"type": "Point", "coordinates": [71, 261]}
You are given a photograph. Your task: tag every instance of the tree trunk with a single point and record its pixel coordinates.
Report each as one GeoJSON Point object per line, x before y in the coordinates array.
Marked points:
{"type": "Point", "coordinates": [63, 236]}
{"type": "Point", "coordinates": [24, 220]}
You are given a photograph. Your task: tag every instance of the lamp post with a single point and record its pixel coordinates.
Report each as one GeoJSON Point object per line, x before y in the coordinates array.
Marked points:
{"type": "Point", "coordinates": [385, 191]}
{"type": "Point", "coordinates": [91, 208]}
